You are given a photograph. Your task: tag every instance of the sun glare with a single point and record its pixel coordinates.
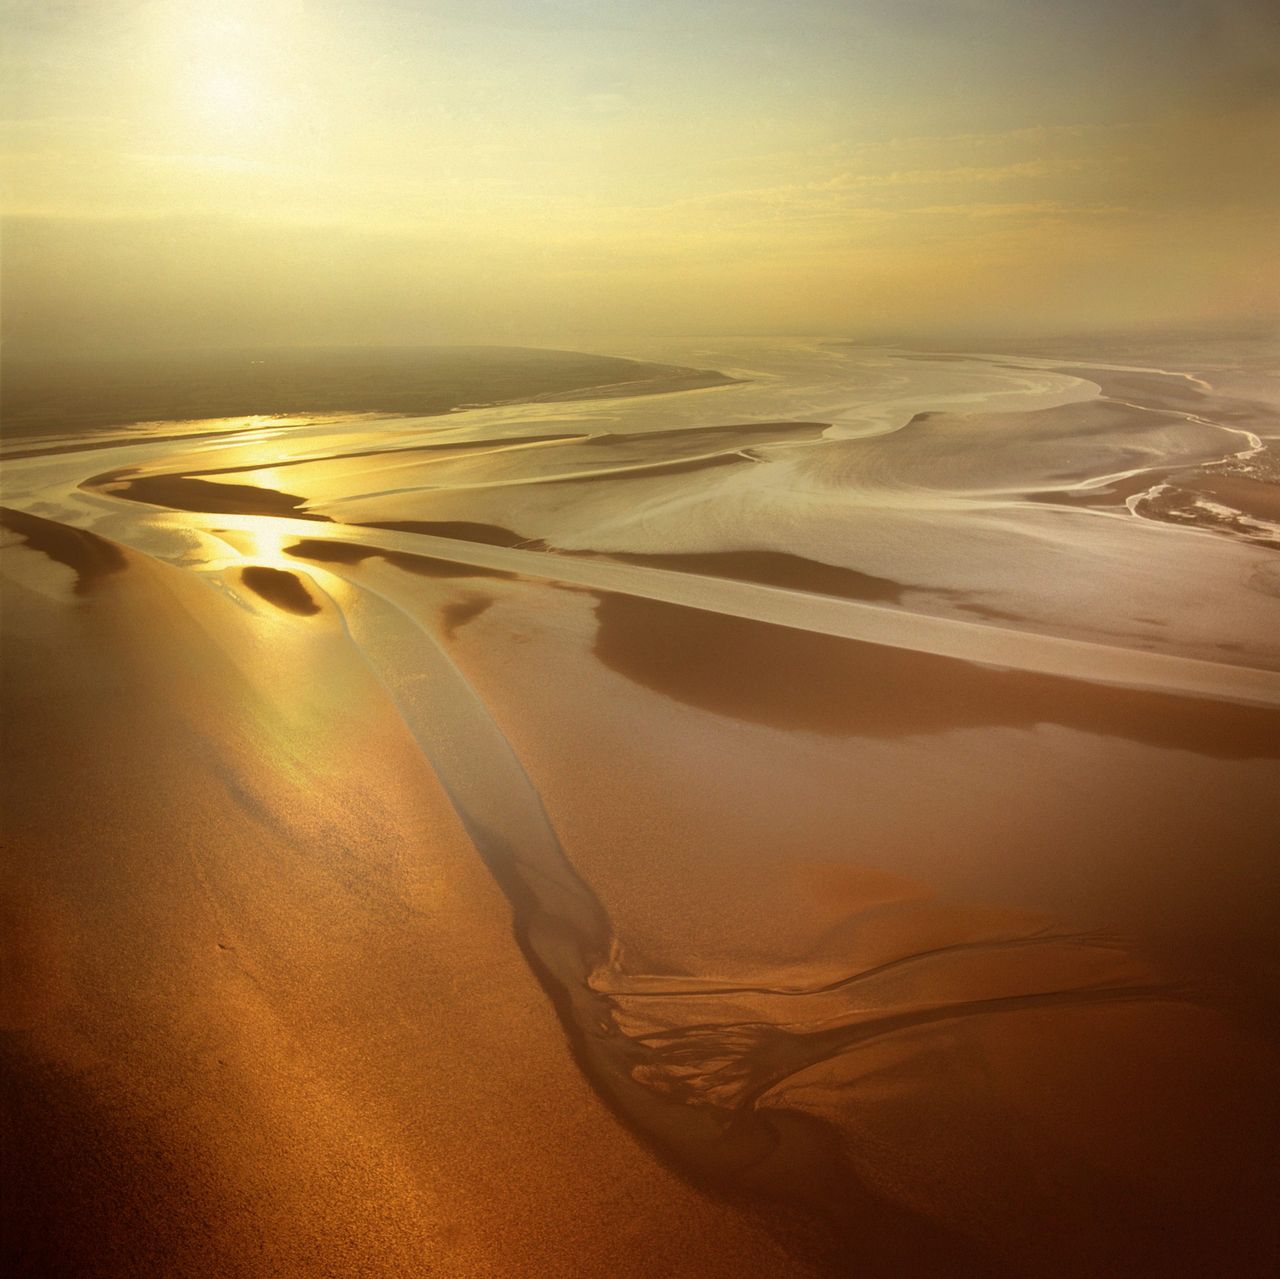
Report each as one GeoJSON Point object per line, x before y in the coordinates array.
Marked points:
{"type": "Point", "coordinates": [228, 62]}
{"type": "Point", "coordinates": [227, 96]}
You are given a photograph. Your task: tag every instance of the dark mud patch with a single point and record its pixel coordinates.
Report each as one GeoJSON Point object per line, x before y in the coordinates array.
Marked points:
{"type": "Point", "coordinates": [774, 568]}
{"type": "Point", "coordinates": [89, 556]}
{"type": "Point", "coordinates": [324, 551]}
{"type": "Point", "coordinates": [801, 680]}
{"type": "Point", "coordinates": [182, 493]}
{"type": "Point", "coordinates": [280, 587]}
{"type": "Point", "coordinates": [458, 530]}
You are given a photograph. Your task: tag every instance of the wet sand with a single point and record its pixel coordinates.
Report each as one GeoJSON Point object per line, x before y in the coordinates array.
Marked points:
{"type": "Point", "coordinates": [267, 1016]}
{"type": "Point", "coordinates": [770, 949]}
{"type": "Point", "coordinates": [821, 824]}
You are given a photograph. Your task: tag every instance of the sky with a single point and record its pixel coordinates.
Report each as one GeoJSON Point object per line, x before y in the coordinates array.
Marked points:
{"type": "Point", "coordinates": [588, 172]}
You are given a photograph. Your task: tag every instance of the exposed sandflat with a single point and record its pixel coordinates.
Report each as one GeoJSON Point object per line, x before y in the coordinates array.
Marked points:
{"type": "Point", "coordinates": [820, 822]}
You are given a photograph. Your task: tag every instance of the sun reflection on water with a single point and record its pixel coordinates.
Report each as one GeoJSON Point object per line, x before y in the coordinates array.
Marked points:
{"type": "Point", "coordinates": [254, 540]}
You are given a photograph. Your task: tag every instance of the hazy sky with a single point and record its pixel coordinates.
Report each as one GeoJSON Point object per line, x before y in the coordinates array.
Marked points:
{"type": "Point", "coordinates": [575, 171]}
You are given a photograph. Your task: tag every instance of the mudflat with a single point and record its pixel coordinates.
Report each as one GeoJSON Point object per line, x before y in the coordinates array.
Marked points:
{"type": "Point", "coordinates": [819, 820]}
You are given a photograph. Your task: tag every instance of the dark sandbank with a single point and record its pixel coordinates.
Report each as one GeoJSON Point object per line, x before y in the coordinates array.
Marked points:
{"type": "Point", "coordinates": [459, 530]}
{"type": "Point", "coordinates": [796, 679]}
{"type": "Point", "coordinates": [773, 568]}
{"type": "Point", "coordinates": [181, 493]}
{"type": "Point", "coordinates": [89, 556]}
{"type": "Point", "coordinates": [324, 551]}
{"type": "Point", "coordinates": [280, 587]}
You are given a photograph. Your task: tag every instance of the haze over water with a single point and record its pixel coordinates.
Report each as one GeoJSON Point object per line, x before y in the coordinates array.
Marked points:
{"type": "Point", "coordinates": [683, 804]}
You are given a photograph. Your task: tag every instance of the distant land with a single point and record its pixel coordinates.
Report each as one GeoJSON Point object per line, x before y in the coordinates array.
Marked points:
{"type": "Point", "coordinates": [55, 395]}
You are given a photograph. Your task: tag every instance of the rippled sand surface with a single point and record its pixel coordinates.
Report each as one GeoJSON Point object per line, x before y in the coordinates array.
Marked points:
{"type": "Point", "coordinates": [823, 823]}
